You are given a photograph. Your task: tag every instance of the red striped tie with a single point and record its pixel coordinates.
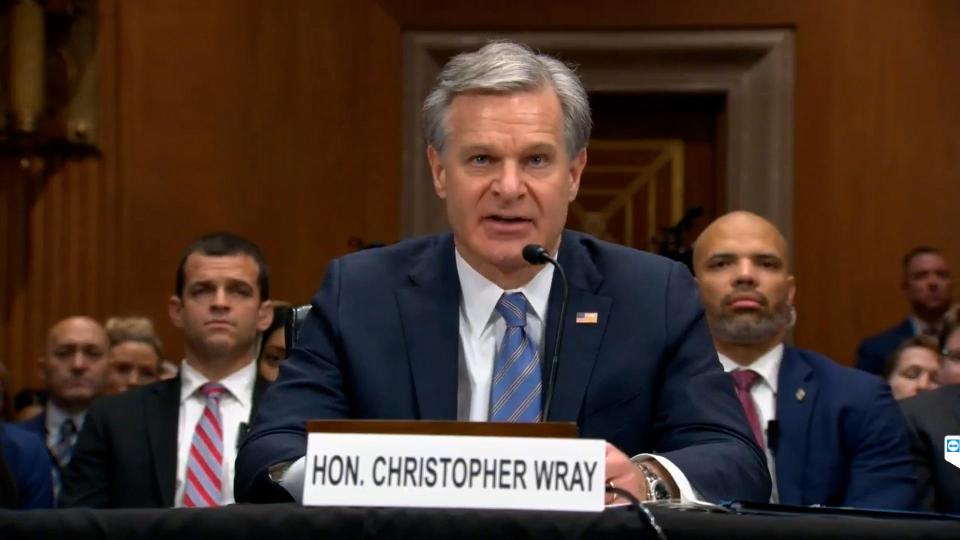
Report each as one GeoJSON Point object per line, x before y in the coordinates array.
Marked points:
{"type": "Point", "coordinates": [205, 464]}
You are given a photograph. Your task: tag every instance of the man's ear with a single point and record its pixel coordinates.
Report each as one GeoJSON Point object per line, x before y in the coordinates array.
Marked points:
{"type": "Point", "coordinates": [792, 293]}
{"type": "Point", "coordinates": [438, 172]}
{"type": "Point", "coordinates": [175, 310]}
{"type": "Point", "coordinates": [576, 170]}
{"type": "Point", "coordinates": [265, 316]}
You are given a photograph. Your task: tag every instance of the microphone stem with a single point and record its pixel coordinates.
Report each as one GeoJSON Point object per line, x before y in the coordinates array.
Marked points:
{"type": "Point", "coordinates": [556, 349]}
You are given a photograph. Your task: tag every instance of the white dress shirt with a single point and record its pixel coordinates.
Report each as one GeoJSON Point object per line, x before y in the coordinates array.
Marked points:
{"type": "Point", "coordinates": [764, 394]}
{"type": "Point", "coordinates": [55, 417]}
{"type": "Point", "coordinates": [235, 406]}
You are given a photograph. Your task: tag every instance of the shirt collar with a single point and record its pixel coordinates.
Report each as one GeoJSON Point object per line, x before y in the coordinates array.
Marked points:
{"type": "Point", "coordinates": [767, 366]}
{"type": "Point", "coordinates": [921, 327]}
{"type": "Point", "coordinates": [479, 295]}
{"type": "Point", "coordinates": [55, 417]}
{"type": "Point", "coordinates": [239, 384]}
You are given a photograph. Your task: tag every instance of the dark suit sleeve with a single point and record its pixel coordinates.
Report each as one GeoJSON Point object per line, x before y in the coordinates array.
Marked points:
{"type": "Point", "coordinates": [881, 467]}
{"type": "Point", "coordinates": [310, 385]}
{"type": "Point", "coordinates": [86, 479]}
{"type": "Point", "coordinates": [921, 450]}
{"type": "Point", "coordinates": [699, 425]}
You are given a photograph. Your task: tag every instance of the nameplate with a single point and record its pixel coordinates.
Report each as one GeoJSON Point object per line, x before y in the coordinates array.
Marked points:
{"type": "Point", "coordinates": [444, 471]}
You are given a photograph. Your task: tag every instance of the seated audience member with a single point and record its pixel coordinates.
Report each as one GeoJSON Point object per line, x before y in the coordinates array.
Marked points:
{"type": "Point", "coordinates": [74, 369]}
{"type": "Point", "coordinates": [950, 354]}
{"type": "Point", "coordinates": [28, 403]}
{"type": "Point", "coordinates": [932, 416]}
{"type": "Point", "coordinates": [412, 330]}
{"type": "Point", "coordinates": [135, 353]}
{"type": "Point", "coordinates": [928, 287]}
{"type": "Point", "coordinates": [26, 481]}
{"type": "Point", "coordinates": [834, 435]}
{"type": "Point", "coordinates": [173, 443]}
{"type": "Point", "coordinates": [273, 344]}
{"type": "Point", "coordinates": [913, 367]}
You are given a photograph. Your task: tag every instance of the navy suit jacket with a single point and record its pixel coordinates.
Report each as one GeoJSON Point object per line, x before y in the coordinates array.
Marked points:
{"type": "Point", "coordinates": [29, 463]}
{"type": "Point", "coordinates": [842, 438]}
{"type": "Point", "coordinates": [381, 342]}
{"type": "Point", "coordinates": [873, 351]}
{"type": "Point", "coordinates": [36, 425]}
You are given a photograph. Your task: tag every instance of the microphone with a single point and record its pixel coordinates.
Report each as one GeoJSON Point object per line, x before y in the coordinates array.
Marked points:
{"type": "Point", "coordinates": [537, 254]}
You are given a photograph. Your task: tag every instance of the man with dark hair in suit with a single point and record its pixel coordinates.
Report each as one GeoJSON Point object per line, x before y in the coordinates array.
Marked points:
{"type": "Point", "coordinates": [420, 329]}
{"type": "Point", "coordinates": [834, 435]}
{"type": "Point", "coordinates": [172, 443]}
{"type": "Point", "coordinates": [75, 369]}
{"type": "Point", "coordinates": [928, 287]}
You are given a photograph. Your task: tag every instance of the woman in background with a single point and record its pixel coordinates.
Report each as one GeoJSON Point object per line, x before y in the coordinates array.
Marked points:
{"type": "Point", "coordinates": [273, 343]}
{"type": "Point", "coordinates": [135, 353]}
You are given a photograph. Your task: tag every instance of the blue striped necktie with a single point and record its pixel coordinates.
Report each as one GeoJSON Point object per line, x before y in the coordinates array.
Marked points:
{"type": "Point", "coordinates": [205, 463]}
{"type": "Point", "coordinates": [516, 390]}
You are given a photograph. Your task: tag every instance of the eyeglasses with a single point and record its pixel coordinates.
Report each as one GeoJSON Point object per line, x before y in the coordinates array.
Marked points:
{"type": "Point", "coordinates": [951, 355]}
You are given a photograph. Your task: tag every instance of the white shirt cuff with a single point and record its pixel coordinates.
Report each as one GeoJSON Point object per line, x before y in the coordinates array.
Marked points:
{"type": "Point", "coordinates": [687, 493]}
{"type": "Point", "coordinates": [292, 479]}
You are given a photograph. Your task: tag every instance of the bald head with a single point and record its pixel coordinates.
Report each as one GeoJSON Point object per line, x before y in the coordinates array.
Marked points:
{"type": "Point", "coordinates": [740, 261]}
{"type": "Point", "coordinates": [739, 226]}
{"type": "Point", "coordinates": [75, 364]}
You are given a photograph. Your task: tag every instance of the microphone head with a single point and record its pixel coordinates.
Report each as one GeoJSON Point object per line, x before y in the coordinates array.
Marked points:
{"type": "Point", "coordinates": [535, 254]}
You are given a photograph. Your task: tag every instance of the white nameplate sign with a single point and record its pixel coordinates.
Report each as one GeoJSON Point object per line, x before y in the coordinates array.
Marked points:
{"type": "Point", "coordinates": [444, 471]}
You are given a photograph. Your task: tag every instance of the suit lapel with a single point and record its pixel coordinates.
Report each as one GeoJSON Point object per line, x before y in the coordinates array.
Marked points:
{"type": "Point", "coordinates": [429, 317]}
{"type": "Point", "coordinates": [162, 416]}
{"type": "Point", "coordinates": [580, 341]}
{"type": "Point", "coordinates": [797, 391]}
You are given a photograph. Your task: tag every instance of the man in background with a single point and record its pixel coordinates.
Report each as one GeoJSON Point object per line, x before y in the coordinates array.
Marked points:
{"type": "Point", "coordinates": [74, 369]}
{"type": "Point", "coordinates": [834, 436]}
{"type": "Point", "coordinates": [173, 443]}
{"type": "Point", "coordinates": [928, 287]}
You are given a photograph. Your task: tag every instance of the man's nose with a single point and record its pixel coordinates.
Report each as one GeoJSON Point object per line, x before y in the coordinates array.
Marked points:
{"type": "Point", "coordinates": [745, 274]}
{"type": "Point", "coordinates": [220, 297]}
{"type": "Point", "coordinates": [509, 182]}
{"type": "Point", "coordinates": [79, 361]}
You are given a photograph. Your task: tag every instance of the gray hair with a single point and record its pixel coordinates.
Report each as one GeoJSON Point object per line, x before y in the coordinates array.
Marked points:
{"type": "Point", "coordinates": [504, 67]}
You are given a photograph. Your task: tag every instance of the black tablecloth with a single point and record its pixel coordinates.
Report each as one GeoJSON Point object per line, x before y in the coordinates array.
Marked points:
{"type": "Point", "coordinates": [291, 522]}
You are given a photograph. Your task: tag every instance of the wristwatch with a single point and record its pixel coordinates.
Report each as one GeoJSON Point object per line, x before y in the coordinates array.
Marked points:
{"type": "Point", "coordinates": [657, 488]}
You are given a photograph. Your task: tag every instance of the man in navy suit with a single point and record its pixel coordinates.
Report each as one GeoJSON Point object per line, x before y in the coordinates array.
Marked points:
{"type": "Point", "coordinates": [74, 369]}
{"type": "Point", "coordinates": [928, 286]}
{"type": "Point", "coordinates": [417, 330]}
{"type": "Point", "coordinates": [28, 463]}
{"type": "Point", "coordinates": [834, 435]}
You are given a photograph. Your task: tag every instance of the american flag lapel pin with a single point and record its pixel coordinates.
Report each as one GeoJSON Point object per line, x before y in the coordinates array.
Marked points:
{"type": "Point", "coordinates": [587, 317]}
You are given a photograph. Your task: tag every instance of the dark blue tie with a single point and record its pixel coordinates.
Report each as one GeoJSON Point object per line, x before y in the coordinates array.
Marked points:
{"type": "Point", "coordinates": [516, 389]}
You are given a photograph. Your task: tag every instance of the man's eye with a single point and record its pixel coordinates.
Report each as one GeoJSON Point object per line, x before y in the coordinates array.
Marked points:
{"type": "Point", "coordinates": [538, 160]}
{"type": "Point", "coordinates": [480, 160]}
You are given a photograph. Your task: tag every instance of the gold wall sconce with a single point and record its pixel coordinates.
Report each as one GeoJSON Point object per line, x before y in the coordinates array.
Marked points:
{"type": "Point", "coordinates": [49, 87]}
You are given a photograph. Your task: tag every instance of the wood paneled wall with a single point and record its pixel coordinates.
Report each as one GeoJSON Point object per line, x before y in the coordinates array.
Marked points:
{"type": "Point", "coordinates": [281, 121]}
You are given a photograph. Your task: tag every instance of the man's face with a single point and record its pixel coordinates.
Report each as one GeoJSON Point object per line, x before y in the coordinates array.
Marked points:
{"type": "Point", "coordinates": [916, 370]}
{"type": "Point", "coordinates": [505, 176]}
{"type": "Point", "coordinates": [950, 361]}
{"type": "Point", "coordinates": [742, 274]}
{"type": "Point", "coordinates": [132, 363]}
{"type": "Point", "coordinates": [75, 365]}
{"type": "Point", "coordinates": [221, 313]}
{"type": "Point", "coordinates": [927, 283]}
